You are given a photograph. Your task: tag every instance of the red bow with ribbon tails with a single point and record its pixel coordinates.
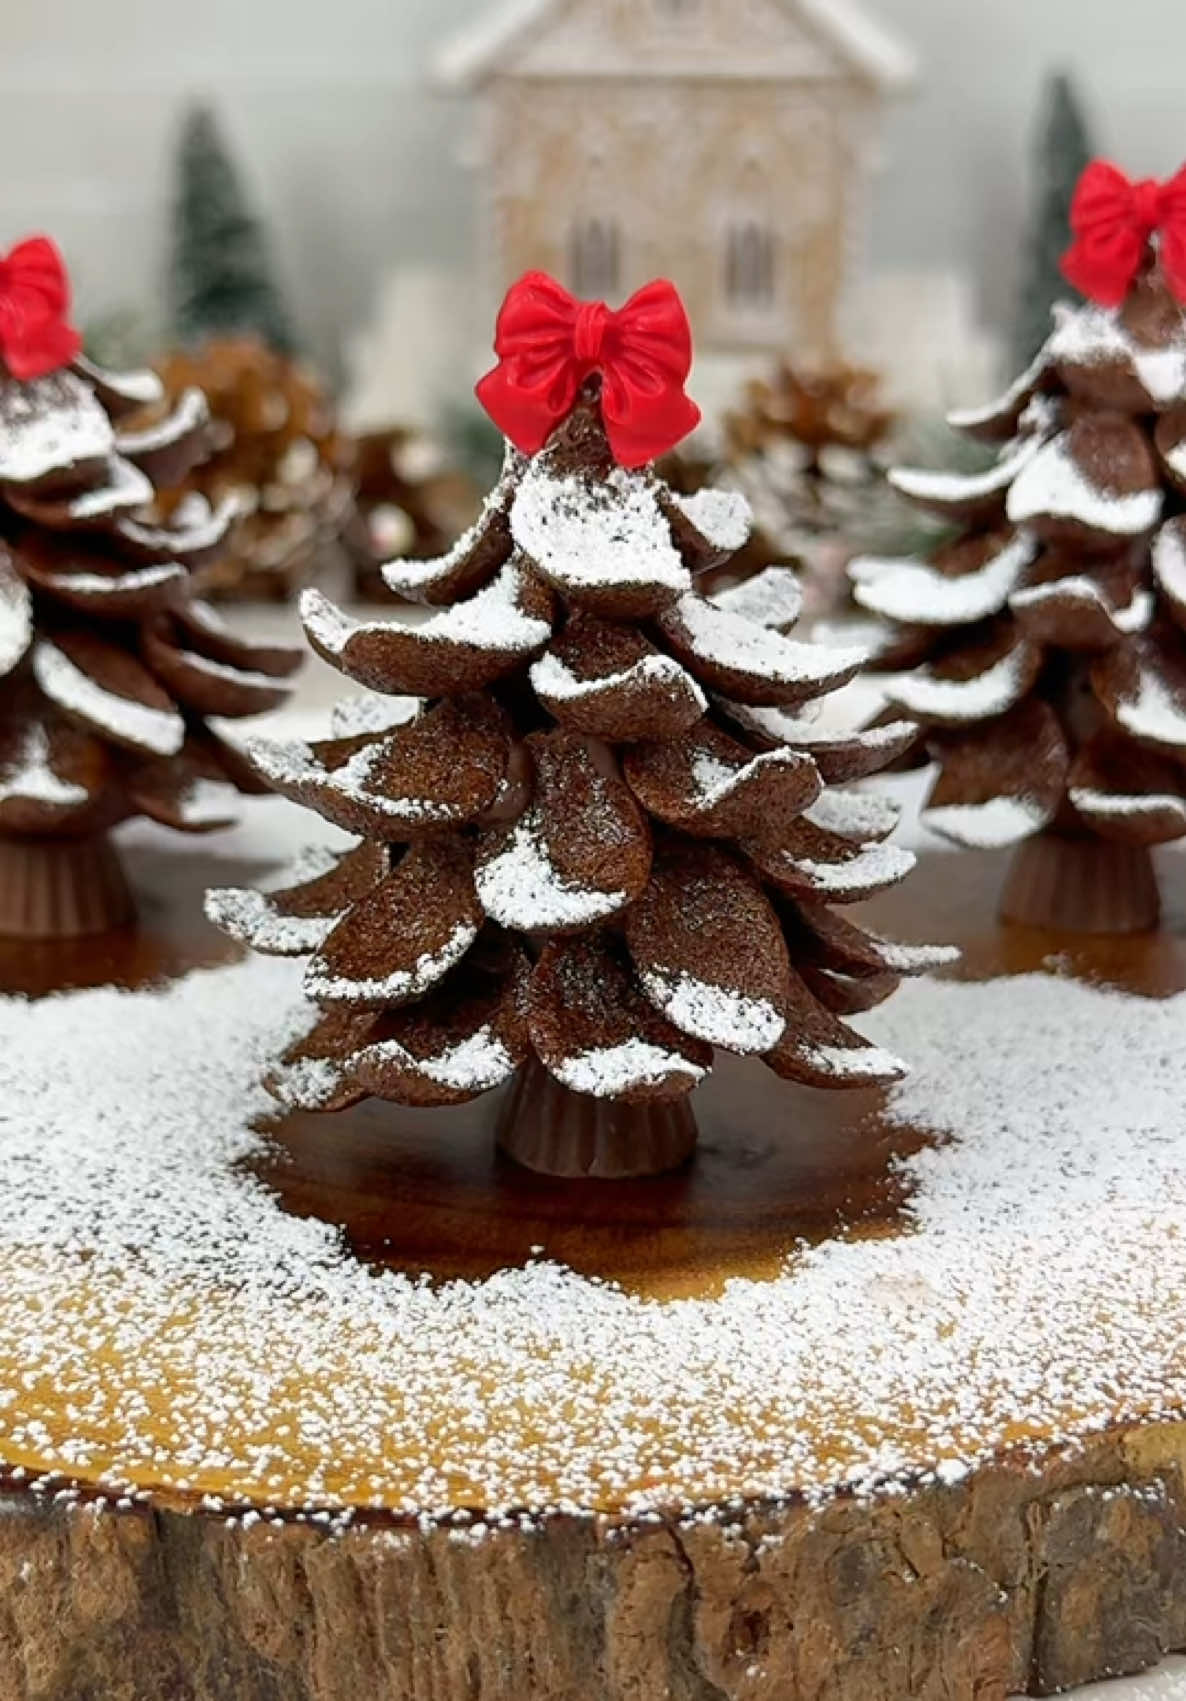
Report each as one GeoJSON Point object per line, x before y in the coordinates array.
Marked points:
{"type": "Point", "coordinates": [35, 337]}
{"type": "Point", "coordinates": [1113, 220]}
{"type": "Point", "coordinates": [548, 343]}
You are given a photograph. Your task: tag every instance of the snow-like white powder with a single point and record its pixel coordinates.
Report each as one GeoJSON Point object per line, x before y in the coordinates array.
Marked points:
{"type": "Point", "coordinates": [293, 764]}
{"type": "Point", "coordinates": [589, 536]}
{"type": "Point", "coordinates": [401, 984]}
{"type": "Point", "coordinates": [16, 620]}
{"type": "Point", "coordinates": [971, 419]}
{"type": "Point", "coordinates": [413, 578]}
{"type": "Point", "coordinates": [773, 597]}
{"type": "Point", "coordinates": [160, 731]}
{"type": "Point", "coordinates": [226, 671]}
{"type": "Point", "coordinates": [953, 489]}
{"type": "Point", "coordinates": [856, 1063]}
{"type": "Point", "coordinates": [471, 1065]}
{"type": "Point", "coordinates": [873, 868]}
{"type": "Point", "coordinates": [137, 579]}
{"type": "Point", "coordinates": [1157, 712]}
{"type": "Point", "coordinates": [32, 778]}
{"type": "Point", "coordinates": [141, 387]}
{"type": "Point", "coordinates": [998, 688]}
{"type": "Point", "coordinates": [206, 803]}
{"type": "Point", "coordinates": [351, 717]}
{"type": "Point", "coordinates": [1127, 806]}
{"type": "Point", "coordinates": [553, 678]}
{"type": "Point", "coordinates": [1096, 336]}
{"type": "Point", "coordinates": [192, 532]}
{"type": "Point", "coordinates": [723, 517]}
{"type": "Point", "coordinates": [48, 425]}
{"type": "Point", "coordinates": [189, 415]}
{"type": "Point", "coordinates": [858, 815]}
{"type": "Point", "coordinates": [521, 888]}
{"type": "Point", "coordinates": [1169, 563]}
{"type": "Point", "coordinates": [987, 826]}
{"type": "Point", "coordinates": [719, 1014]}
{"type": "Point", "coordinates": [1053, 486]}
{"type": "Point", "coordinates": [728, 640]}
{"type": "Point", "coordinates": [493, 620]}
{"type": "Point", "coordinates": [128, 1208]}
{"type": "Point", "coordinates": [124, 486]}
{"type": "Point", "coordinates": [608, 1071]}
{"type": "Point", "coordinates": [920, 595]}
{"type": "Point", "coordinates": [251, 917]}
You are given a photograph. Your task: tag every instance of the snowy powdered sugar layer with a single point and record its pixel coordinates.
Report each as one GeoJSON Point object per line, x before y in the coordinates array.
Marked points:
{"type": "Point", "coordinates": [1042, 1285]}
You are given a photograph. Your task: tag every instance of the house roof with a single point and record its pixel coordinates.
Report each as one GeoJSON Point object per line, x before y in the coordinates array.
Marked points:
{"type": "Point", "coordinates": [491, 42]}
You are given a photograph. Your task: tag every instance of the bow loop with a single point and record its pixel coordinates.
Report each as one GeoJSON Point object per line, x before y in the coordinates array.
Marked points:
{"type": "Point", "coordinates": [549, 344]}
{"type": "Point", "coordinates": [35, 337]}
{"type": "Point", "coordinates": [1113, 220]}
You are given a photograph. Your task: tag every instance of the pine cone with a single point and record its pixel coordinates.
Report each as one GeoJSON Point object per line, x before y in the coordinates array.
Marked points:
{"type": "Point", "coordinates": [276, 450]}
{"type": "Point", "coordinates": [598, 824]}
{"type": "Point", "coordinates": [1046, 643]}
{"type": "Point", "coordinates": [108, 666]}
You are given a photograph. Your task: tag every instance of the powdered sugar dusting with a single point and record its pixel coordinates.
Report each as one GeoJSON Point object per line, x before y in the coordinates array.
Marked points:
{"type": "Point", "coordinates": [522, 889]}
{"type": "Point", "coordinates": [160, 731]}
{"type": "Point", "coordinates": [1053, 486]}
{"type": "Point", "coordinates": [923, 596]}
{"type": "Point", "coordinates": [127, 1207]}
{"type": "Point", "coordinates": [402, 984]}
{"type": "Point", "coordinates": [723, 517]}
{"type": "Point", "coordinates": [719, 1014]}
{"type": "Point", "coordinates": [989, 693]}
{"type": "Point", "coordinates": [1156, 713]}
{"type": "Point", "coordinates": [470, 1065]}
{"type": "Point", "coordinates": [596, 536]}
{"type": "Point", "coordinates": [773, 597]}
{"type": "Point", "coordinates": [551, 677]}
{"type": "Point", "coordinates": [492, 620]}
{"type": "Point", "coordinates": [1127, 806]}
{"type": "Point", "coordinates": [16, 620]}
{"type": "Point", "coordinates": [953, 489]}
{"type": "Point", "coordinates": [32, 779]}
{"type": "Point", "coordinates": [609, 1071]}
{"type": "Point", "coordinates": [1169, 563]}
{"type": "Point", "coordinates": [49, 425]}
{"type": "Point", "coordinates": [987, 826]}
{"type": "Point", "coordinates": [730, 641]}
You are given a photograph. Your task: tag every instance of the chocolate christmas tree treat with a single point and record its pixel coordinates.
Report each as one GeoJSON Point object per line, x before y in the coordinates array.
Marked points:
{"type": "Point", "coordinates": [108, 667]}
{"type": "Point", "coordinates": [605, 835]}
{"type": "Point", "coordinates": [1046, 647]}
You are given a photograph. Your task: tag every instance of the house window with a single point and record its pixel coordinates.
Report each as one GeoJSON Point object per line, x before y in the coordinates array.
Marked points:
{"type": "Point", "coordinates": [749, 267]}
{"type": "Point", "coordinates": [596, 258]}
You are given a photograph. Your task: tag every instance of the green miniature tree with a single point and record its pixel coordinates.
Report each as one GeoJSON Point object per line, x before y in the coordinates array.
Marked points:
{"type": "Point", "coordinates": [1062, 150]}
{"type": "Point", "coordinates": [221, 274]}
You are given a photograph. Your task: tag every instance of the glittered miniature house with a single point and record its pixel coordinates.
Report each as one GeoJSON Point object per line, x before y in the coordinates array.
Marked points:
{"type": "Point", "coordinates": [723, 145]}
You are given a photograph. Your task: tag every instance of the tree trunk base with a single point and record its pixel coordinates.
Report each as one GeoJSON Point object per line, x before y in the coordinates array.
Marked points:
{"type": "Point", "coordinates": [1030, 1576]}
{"type": "Point", "coordinates": [1081, 885]}
{"type": "Point", "coordinates": [554, 1131]}
{"type": "Point", "coordinates": [61, 889]}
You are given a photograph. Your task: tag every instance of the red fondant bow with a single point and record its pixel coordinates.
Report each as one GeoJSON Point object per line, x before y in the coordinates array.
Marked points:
{"type": "Point", "coordinates": [34, 299]}
{"type": "Point", "coordinates": [548, 343]}
{"type": "Point", "coordinates": [1113, 219]}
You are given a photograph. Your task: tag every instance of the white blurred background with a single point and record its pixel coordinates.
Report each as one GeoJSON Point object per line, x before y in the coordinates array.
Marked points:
{"type": "Point", "coordinates": [355, 161]}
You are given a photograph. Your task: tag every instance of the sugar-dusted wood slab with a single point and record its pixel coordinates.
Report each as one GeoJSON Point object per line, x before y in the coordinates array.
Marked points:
{"type": "Point", "coordinates": [254, 1561]}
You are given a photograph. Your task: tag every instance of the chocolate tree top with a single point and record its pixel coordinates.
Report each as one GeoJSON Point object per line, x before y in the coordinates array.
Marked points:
{"type": "Point", "coordinates": [1045, 645]}
{"type": "Point", "coordinates": [108, 666]}
{"type": "Point", "coordinates": [597, 817]}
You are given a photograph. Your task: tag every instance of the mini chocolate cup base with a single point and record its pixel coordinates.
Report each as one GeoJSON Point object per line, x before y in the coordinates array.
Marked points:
{"type": "Point", "coordinates": [61, 889]}
{"type": "Point", "coordinates": [550, 1129]}
{"type": "Point", "coordinates": [1081, 885]}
